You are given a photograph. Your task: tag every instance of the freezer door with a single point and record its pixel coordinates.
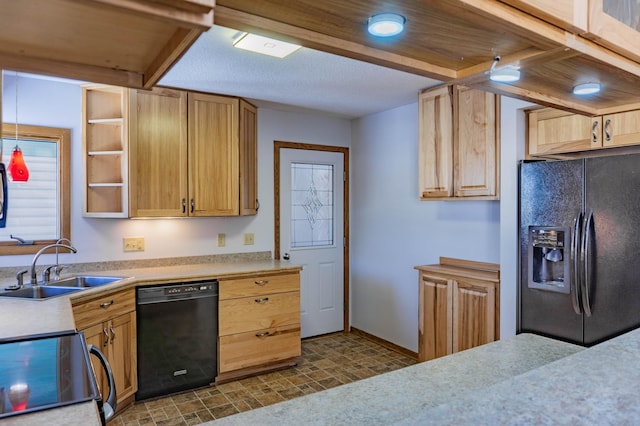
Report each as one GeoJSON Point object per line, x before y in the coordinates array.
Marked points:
{"type": "Point", "coordinates": [613, 193]}
{"type": "Point", "coordinates": [551, 194]}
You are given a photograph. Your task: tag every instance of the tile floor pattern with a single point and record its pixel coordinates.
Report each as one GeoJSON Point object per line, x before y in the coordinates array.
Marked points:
{"type": "Point", "coordinates": [326, 362]}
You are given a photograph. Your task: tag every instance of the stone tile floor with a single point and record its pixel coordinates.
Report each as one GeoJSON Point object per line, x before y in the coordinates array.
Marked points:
{"type": "Point", "coordinates": [326, 362]}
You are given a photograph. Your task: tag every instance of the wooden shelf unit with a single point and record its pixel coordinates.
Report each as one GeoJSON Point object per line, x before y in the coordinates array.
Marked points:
{"type": "Point", "coordinates": [104, 150]}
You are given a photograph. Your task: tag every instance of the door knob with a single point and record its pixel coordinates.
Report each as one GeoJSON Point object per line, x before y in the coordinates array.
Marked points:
{"type": "Point", "coordinates": [286, 256]}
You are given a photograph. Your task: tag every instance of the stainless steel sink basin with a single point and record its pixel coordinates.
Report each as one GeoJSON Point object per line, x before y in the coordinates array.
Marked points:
{"type": "Point", "coordinates": [39, 292]}
{"type": "Point", "coordinates": [83, 281]}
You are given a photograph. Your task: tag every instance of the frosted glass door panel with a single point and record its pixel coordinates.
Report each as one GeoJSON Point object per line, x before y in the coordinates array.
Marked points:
{"type": "Point", "coordinates": [312, 206]}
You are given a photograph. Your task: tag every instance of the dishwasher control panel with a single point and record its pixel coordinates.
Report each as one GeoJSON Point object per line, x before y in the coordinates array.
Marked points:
{"type": "Point", "coordinates": [187, 289]}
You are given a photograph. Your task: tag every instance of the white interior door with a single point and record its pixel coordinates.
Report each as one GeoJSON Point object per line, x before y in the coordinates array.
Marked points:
{"type": "Point", "coordinates": [312, 233]}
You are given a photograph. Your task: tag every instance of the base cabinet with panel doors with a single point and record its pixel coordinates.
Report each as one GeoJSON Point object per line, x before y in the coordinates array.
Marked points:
{"type": "Point", "coordinates": [552, 131]}
{"type": "Point", "coordinates": [459, 144]}
{"type": "Point", "coordinates": [458, 306]}
{"type": "Point", "coordinates": [259, 324]}
{"type": "Point", "coordinates": [109, 323]}
{"type": "Point", "coordinates": [182, 154]}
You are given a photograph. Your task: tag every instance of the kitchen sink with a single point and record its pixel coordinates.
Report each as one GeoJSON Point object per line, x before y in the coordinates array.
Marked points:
{"type": "Point", "coordinates": [39, 292]}
{"type": "Point", "coordinates": [84, 281]}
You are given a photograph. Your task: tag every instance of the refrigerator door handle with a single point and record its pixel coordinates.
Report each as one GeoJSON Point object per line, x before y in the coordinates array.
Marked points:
{"type": "Point", "coordinates": [584, 257]}
{"type": "Point", "coordinates": [575, 264]}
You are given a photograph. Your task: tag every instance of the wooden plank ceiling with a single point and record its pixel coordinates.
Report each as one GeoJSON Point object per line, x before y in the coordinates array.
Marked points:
{"type": "Point", "coordinates": [453, 41]}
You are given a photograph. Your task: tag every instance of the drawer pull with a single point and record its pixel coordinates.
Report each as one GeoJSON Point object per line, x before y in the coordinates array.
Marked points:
{"type": "Point", "coordinates": [265, 334]}
{"type": "Point", "coordinates": [105, 305]}
{"type": "Point", "coordinates": [263, 300]}
{"type": "Point", "coordinates": [261, 282]}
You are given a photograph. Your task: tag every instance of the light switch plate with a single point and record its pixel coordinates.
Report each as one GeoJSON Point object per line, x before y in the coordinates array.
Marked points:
{"type": "Point", "coordinates": [248, 239]}
{"type": "Point", "coordinates": [133, 243]}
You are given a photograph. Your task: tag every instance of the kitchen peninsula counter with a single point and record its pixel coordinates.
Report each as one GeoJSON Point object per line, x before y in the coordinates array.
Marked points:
{"type": "Point", "coordinates": [25, 317]}
{"type": "Point", "coordinates": [526, 379]}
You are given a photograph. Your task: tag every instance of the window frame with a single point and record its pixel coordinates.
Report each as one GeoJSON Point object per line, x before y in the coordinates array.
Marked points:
{"type": "Point", "coordinates": [62, 137]}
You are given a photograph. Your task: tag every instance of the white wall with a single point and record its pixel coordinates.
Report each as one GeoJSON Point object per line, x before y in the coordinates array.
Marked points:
{"type": "Point", "coordinates": [512, 133]}
{"type": "Point", "coordinates": [392, 231]}
{"type": "Point", "coordinates": [58, 104]}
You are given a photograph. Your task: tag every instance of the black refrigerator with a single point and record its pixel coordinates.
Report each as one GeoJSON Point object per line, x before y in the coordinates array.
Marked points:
{"type": "Point", "coordinates": [579, 230]}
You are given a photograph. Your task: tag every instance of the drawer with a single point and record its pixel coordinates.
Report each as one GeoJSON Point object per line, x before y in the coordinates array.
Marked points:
{"type": "Point", "coordinates": [259, 312]}
{"type": "Point", "coordinates": [259, 285]}
{"type": "Point", "coordinates": [103, 308]}
{"type": "Point", "coordinates": [259, 347]}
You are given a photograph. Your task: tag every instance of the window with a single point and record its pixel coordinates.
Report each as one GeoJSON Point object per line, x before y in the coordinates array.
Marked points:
{"type": "Point", "coordinates": [39, 209]}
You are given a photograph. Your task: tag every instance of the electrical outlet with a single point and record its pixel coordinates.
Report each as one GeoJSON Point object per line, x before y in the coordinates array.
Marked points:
{"type": "Point", "coordinates": [248, 239]}
{"type": "Point", "coordinates": [133, 243]}
{"type": "Point", "coordinates": [221, 240]}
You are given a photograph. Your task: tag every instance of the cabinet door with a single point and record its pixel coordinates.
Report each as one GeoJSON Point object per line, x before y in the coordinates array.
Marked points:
{"type": "Point", "coordinates": [158, 153]}
{"type": "Point", "coordinates": [474, 304]}
{"type": "Point", "coordinates": [122, 354]}
{"type": "Point", "coordinates": [95, 335]}
{"type": "Point", "coordinates": [621, 129]}
{"type": "Point", "coordinates": [248, 159]}
{"type": "Point", "coordinates": [553, 131]}
{"type": "Point", "coordinates": [476, 147]}
{"type": "Point", "coordinates": [213, 155]}
{"type": "Point", "coordinates": [568, 14]}
{"type": "Point", "coordinates": [435, 322]}
{"type": "Point", "coordinates": [435, 145]}
{"type": "Point", "coordinates": [616, 25]}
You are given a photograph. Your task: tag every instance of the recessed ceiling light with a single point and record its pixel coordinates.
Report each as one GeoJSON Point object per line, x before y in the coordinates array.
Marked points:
{"type": "Point", "coordinates": [265, 45]}
{"type": "Point", "coordinates": [386, 24]}
{"type": "Point", "coordinates": [586, 89]}
{"type": "Point", "coordinates": [507, 74]}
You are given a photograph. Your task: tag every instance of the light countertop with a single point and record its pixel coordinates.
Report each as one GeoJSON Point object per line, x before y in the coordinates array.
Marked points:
{"type": "Point", "coordinates": [416, 390]}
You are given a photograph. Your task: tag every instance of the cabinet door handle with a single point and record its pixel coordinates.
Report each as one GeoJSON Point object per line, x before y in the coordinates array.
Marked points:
{"type": "Point", "coordinates": [594, 134]}
{"type": "Point", "coordinates": [606, 130]}
{"type": "Point", "coordinates": [106, 337]}
{"type": "Point", "coordinates": [184, 205]}
{"type": "Point", "coordinates": [261, 282]}
{"type": "Point", "coordinates": [257, 204]}
{"type": "Point", "coordinates": [105, 305]}
{"type": "Point", "coordinates": [265, 334]}
{"type": "Point", "coordinates": [263, 300]}
{"type": "Point", "coordinates": [193, 204]}
{"type": "Point", "coordinates": [113, 333]}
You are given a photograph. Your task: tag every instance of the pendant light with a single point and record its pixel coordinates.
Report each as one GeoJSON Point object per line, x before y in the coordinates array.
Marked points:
{"type": "Point", "coordinates": [17, 167]}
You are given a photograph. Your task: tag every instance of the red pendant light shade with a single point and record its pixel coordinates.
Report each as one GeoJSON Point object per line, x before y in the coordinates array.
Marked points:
{"type": "Point", "coordinates": [17, 167]}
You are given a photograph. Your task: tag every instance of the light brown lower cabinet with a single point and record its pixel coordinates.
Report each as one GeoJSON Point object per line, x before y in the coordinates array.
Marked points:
{"type": "Point", "coordinates": [259, 324]}
{"type": "Point", "coordinates": [458, 306]}
{"type": "Point", "coordinates": [109, 323]}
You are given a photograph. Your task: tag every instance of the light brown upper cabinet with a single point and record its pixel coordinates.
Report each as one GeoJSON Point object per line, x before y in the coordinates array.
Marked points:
{"type": "Point", "coordinates": [613, 24]}
{"type": "Point", "coordinates": [185, 154]}
{"type": "Point", "coordinates": [189, 154]}
{"type": "Point", "coordinates": [458, 146]}
{"type": "Point", "coordinates": [553, 132]}
{"type": "Point", "coordinates": [158, 153]}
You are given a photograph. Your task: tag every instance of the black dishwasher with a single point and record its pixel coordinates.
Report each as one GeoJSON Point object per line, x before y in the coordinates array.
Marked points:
{"type": "Point", "coordinates": [177, 337]}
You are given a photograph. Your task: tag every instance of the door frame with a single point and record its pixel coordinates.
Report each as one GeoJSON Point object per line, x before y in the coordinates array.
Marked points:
{"type": "Point", "coordinates": [277, 146]}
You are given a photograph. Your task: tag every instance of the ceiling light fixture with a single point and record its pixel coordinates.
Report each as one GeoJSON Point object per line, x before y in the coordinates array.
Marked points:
{"type": "Point", "coordinates": [265, 45]}
{"type": "Point", "coordinates": [506, 74]}
{"type": "Point", "coordinates": [586, 89]}
{"type": "Point", "coordinates": [386, 24]}
{"type": "Point", "coordinates": [17, 167]}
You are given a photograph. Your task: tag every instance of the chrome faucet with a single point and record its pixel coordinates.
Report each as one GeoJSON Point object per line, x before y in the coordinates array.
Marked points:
{"type": "Point", "coordinates": [34, 279]}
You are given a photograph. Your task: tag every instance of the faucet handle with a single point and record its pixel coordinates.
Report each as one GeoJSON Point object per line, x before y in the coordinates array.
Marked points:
{"type": "Point", "coordinates": [57, 270]}
{"type": "Point", "coordinates": [20, 277]}
{"type": "Point", "coordinates": [46, 274]}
